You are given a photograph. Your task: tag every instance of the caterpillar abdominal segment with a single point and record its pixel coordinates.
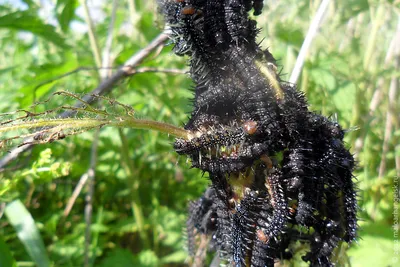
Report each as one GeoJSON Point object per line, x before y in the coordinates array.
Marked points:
{"type": "Point", "coordinates": [281, 174]}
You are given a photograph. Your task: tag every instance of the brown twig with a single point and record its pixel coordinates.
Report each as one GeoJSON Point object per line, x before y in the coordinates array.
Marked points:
{"type": "Point", "coordinates": [104, 88]}
{"type": "Point", "coordinates": [75, 194]}
{"type": "Point", "coordinates": [149, 69]}
{"type": "Point", "coordinates": [201, 252]}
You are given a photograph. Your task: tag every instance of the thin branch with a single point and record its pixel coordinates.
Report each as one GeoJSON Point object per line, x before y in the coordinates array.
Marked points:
{"type": "Point", "coordinates": [397, 160]}
{"type": "Point", "coordinates": [377, 96]}
{"type": "Point", "coordinates": [150, 69]}
{"type": "Point", "coordinates": [104, 88]}
{"type": "Point", "coordinates": [390, 114]}
{"type": "Point", "coordinates": [379, 90]}
{"type": "Point", "coordinates": [201, 252]}
{"type": "Point", "coordinates": [106, 62]}
{"type": "Point", "coordinates": [312, 32]}
{"type": "Point", "coordinates": [75, 194]}
{"type": "Point", "coordinates": [104, 73]}
{"type": "Point", "coordinates": [108, 69]}
{"type": "Point", "coordinates": [89, 196]}
{"type": "Point", "coordinates": [92, 36]}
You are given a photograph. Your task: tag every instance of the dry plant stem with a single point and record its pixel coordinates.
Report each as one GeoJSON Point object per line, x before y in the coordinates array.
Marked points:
{"type": "Point", "coordinates": [134, 17]}
{"type": "Point", "coordinates": [312, 32]}
{"type": "Point", "coordinates": [153, 125]}
{"type": "Point", "coordinates": [378, 93]}
{"type": "Point", "coordinates": [378, 20]}
{"type": "Point", "coordinates": [201, 252]}
{"type": "Point", "coordinates": [390, 117]}
{"type": "Point", "coordinates": [132, 11]}
{"type": "Point", "coordinates": [75, 194]}
{"type": "Point", "coordinates": [350, 29]}
{"type": "Point", "coordinates": [93, 155]}
{"type": "Point", "coordinates": [107, 85]}
{"type": "Point", "coordinates": [391, 111]}
{"type": "Point", "coordinates": [377, 96]}
{"type": "Point", "coordinates": [106, 62]}
{"type": "Point", "coordinates": [104, 88]}
{"type": "Point", "coordinates": [60, 125]}
{"type": "Point", "coordinates": [92, 37]}
{"type": "Point", "coordinates": [89, 196]}
{"type": "Point", "coordinates": [157, 70]}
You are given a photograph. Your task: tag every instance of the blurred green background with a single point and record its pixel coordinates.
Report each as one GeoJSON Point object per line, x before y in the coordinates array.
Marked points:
{"type": "Point", "coordinates": [141, 187]}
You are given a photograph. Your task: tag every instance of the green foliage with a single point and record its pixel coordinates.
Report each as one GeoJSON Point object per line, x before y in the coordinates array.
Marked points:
{"type": "Point", "coordinates": [6, 259]}
{"type": "Point", "coordinates": [142, 187]}
{"type": "Point", "coordinates": [26, 21]}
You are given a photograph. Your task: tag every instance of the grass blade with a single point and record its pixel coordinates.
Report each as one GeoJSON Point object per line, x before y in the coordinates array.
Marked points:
{"type": "Point", "coordinates": [6, 259]}
{"type": "Point", "coordinates": [23, 223]}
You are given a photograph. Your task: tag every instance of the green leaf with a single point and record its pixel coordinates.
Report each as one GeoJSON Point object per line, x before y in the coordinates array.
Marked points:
{"type": "Point", "coordinates": [23, 223]}
{"type": "Point", "coordinates": [25, 21]}
{"type": "Point", "coordinates": [6, 259]}
{"type": "Point", "coordinates": [65, 12]}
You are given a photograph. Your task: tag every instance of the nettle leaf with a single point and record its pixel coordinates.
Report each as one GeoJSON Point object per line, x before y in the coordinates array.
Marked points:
{"type": "Point", "coordinates": [65, 12]}
{"type": "Point", "coordinates": [26, 21]}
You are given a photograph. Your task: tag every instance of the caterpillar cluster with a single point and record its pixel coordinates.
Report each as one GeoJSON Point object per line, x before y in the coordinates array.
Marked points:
{"type": "Point", "coordinates": [280, 173]}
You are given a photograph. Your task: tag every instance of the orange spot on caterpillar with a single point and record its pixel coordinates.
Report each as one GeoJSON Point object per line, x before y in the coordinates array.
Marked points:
{"type": "Point", "coordinates": [292, 209]}
{"type": "Point", "coordinates": [261, 236]}
{"type": "Point", "coordinates": [250, 127]}
{"type": "Point", "coordinates": [267, 161]}
{"type": "Point", "coordinates": [188, 10]}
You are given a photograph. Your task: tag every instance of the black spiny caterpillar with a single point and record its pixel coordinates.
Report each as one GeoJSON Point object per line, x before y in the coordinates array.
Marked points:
{"type": "Point", "coordinates": [280, 173]}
